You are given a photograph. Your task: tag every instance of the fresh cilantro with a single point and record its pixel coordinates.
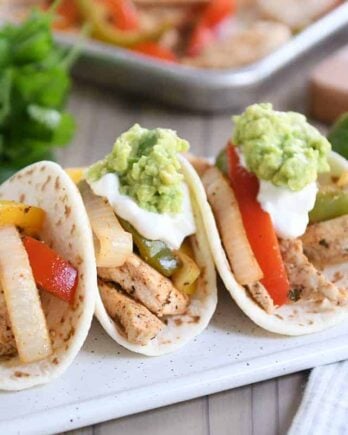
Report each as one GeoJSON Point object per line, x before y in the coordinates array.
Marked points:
{"type": "Point", "coordinates": [34, 85]}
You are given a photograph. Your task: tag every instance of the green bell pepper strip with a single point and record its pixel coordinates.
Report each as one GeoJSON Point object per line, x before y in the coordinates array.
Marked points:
{"type": "Point", "coordinates": [221, 161]}
{"type": "Point", "coordinates": [329, 205]}
{"type": "Point", "coordinates": [338, 136]}
{"type": "Point", "coordinates": [155, 252]}
{"type": "Point", "coordinates": [96, 15]}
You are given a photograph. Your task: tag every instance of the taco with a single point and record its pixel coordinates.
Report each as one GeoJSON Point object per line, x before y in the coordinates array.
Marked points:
{"type": "Point", "coordinates": [156, 276]}
{"type": "Point", "coordinates": [47, 275]}
{"type": "Point", "coordinates": [278, 222]}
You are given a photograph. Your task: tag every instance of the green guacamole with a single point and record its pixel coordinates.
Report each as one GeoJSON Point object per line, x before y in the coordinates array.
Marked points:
{"type": "Point", "coordinates": [281, 147]}
{"type": "Point", "coordinates": [147, 164]}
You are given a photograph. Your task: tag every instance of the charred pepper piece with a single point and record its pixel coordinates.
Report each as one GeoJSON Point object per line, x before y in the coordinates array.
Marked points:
{"type": "Point", "coordinates": [155, 252]}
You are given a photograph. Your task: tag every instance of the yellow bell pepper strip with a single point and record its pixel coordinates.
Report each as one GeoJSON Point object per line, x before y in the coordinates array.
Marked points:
{"type": "Point", "coordinates": [96, 15]}
{"type": "Point", "coordinates": [185, 279]}
{"type": "Point", "coordinates": [76, 174]}
{"type": "Point", "coordinates": [25, 217]}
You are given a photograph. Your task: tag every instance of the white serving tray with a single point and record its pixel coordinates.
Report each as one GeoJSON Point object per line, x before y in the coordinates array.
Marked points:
{"type": "Point", "coordinates": [107, 381]}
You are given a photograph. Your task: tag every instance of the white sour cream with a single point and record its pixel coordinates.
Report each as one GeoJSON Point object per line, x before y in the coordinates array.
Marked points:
{"type": "Point", "coordinates": [288, 209]}
{"type": "Point", "coordinates": [171, 229]}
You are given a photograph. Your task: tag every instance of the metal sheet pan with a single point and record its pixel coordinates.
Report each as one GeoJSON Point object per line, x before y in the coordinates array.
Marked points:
{"type": "Point", "coordinates": [198, 89]}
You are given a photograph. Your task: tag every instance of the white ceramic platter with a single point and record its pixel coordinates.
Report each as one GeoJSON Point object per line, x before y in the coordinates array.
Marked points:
{"type": "Point", "coordinates": [106, 381]}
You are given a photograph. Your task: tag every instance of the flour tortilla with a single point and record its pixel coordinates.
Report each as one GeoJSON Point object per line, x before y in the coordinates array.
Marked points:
{"type": "Point", "coordinates": [180, 329]}
{"type": "Point", "coordinates": [67, 230]}
{"type": "Point", "coordinates": [292, 319]}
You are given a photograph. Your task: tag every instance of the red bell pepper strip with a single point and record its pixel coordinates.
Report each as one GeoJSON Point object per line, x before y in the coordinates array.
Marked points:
{"type": "Point", "coordinates": [123, 14]}
{"type": "Point", "coordinates": [51, 272]}
{"type": "Point", "coordinates": [155, 50]}
{"type": "Point", "coordinates": [199, 39]}
{"type": "Point", "coordinates": [215, 12]}
{"type": "Point", "coordinates": [67, 14]}
{"type": "Point", "coordinates": [259, 229]}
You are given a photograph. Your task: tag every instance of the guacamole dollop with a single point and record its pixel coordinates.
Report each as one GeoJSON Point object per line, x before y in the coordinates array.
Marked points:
{"type": "Point", "coordinates": [281, 147]}
{"type": "Point", "coordinates": [146, 162]}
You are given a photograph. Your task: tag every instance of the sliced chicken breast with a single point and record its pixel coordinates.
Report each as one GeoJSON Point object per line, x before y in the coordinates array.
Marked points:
{"type": "Point", "coordinates": [139, 324]}
{"type": "Point", "coordinates": [148, 286]}
{"type": "Point", "coordinates": [297, 14]}
{"type": "Point", "coordinates": [244, 47]}
{"type": "Point", "coordinates": [326, 243]}
{"type": "Point", "coordinates": [261, 296]}
{"type": "Point", "coordinates": [304, 277]}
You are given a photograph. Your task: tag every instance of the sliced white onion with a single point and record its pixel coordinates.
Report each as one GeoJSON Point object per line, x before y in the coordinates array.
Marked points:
{"type": "Point", "coordinates": [230, 223]}
{"type": "Point", "coordinates": [22, 298]}
{"type": "Point", "coordinates": [113, 244]}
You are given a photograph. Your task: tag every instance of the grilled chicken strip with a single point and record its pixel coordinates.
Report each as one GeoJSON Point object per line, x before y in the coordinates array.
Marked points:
{"type": "Point", "coordinates": [148, 286]}
{"type": "Point", "coordinates": [326, 243]}
{"type": "Point", "coordinates": [261, 296]}
{"type": "Point", "coordinates": [304, 276]}
{"type": "Point", "coordinates": [297, 14]}
{"type": "Point", "coordinates": [7, 341]}
{"type": "Point", "coordinates": [243, 47]}
{"type": "Point", "coordinates": [140, 325]}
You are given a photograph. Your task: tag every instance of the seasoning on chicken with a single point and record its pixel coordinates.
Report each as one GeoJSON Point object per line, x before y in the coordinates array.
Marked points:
{"type": "Point", "coordinates": [304, 277]}
{"type": "Point", "coordinates": [261, 296]}
{"type": "Point", "coordinates": [139, 324]}
{"type": "Point", "coordinates": [148, 286]}
{"type": "Point", "coordinates": [326, 242]}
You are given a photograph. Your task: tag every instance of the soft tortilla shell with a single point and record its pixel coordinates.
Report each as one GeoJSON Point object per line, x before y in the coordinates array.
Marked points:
{"type": "Point", "coordinates": [67, 230]}
{"type": "Point", "coordinates": [179, 329]}
{"type": "Point", "coordinates": [291, 319]}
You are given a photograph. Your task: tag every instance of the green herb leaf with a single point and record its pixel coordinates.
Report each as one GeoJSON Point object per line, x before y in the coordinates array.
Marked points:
{"type": "Point", "coordinates": [338, 136]}
{"type": "Point", "coordinates": [34, 84]}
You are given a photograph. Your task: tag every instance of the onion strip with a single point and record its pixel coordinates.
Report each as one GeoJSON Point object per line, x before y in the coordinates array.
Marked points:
{"type": "Point", "coordinates": [22, 298]}
{"type": "Point", "coordinates": [229, 220]}
{"type": "Point", "coordinates": [113, 244]}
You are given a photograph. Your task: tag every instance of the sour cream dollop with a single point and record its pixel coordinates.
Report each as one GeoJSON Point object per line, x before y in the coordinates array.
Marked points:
{"type": "Point", "coordinates": [288, 209]}
{"type": "Point", "coordinates": [171, 229]}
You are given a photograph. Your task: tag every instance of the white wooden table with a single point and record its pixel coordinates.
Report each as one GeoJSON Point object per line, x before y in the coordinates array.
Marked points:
{"type": "Point", "coordinates": [264, 408]}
